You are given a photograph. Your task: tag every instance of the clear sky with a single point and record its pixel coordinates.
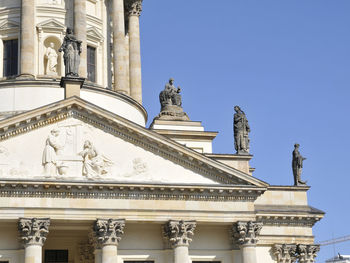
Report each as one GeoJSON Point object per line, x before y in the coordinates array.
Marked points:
{"type": "Point", "coordinates": [286, 63]}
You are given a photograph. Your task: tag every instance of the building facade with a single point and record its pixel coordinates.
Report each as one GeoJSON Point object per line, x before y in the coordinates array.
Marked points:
{"type": "Point", "coordinates": [82, 179]}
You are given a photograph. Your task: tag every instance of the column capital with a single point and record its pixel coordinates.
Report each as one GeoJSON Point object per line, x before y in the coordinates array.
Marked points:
{"type": "Point", "coordinates": [246, 233]}
{"type": "Point", "coordinates": [179, 232]}
{"type": "Point", "coordinates": [307, 253]}
{"type": "Point", "coordinates": [285, 253]}
{"type": "Point", "coordinates": [133, 7]}
{"type": "Point", "coordinates": [33, 231]}
{"type": "Point", "coordinates": [109, 231]}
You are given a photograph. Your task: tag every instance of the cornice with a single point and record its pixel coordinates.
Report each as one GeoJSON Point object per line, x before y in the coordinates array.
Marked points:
{"type": "Point", "coordinates": [289, 220]}
{"type": "Point", "coordinates": [104, 190]}
{"type": "Point", "coordinates": [128, 131]}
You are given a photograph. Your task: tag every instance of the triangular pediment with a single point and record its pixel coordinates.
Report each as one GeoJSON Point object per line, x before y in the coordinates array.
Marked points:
{"type": "Point", "coordinates": [93, 34]}
{"type": "Point", "coordinates": [51, 25]}
{"type": "Point", "coordinates": [9, 26]}
{"type": "Point", "coordinates": [76, 140]}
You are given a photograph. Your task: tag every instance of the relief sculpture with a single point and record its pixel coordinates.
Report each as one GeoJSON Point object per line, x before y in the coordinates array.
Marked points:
{"type": "Point", "coordinates": [53, 147]}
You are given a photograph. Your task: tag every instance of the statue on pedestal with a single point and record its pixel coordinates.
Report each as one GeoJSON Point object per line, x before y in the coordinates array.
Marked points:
{"type": "Point", "coordinates": [241, 131]}
{"type": "Point", "coordinates": [171, 103]}
{"type": "Point", "coordinates": [297, 165]}
{"type": "Point", "coordinates": [72, 49]}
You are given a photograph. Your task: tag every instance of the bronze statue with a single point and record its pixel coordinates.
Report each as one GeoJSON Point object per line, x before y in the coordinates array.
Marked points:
{"type": "Point", "coordinates": [72, 49]}
{"type": "Point", "coordinates": [297, 165]}
{"type": "Point", "coordinates": [241, 130]}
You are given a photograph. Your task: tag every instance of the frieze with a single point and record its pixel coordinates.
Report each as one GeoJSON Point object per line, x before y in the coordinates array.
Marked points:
{"type": "Point", "coordinates": [52, 189]}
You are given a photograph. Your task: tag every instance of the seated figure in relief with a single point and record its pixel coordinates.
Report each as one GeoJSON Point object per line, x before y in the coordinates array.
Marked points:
{"type": "Point", "coordinates": [94, 164]}
{"type": "Point", "coordinates": [51, 55]}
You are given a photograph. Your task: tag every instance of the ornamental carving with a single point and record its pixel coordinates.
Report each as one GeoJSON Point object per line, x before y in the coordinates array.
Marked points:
{"type": "Point", "coordinates": [179, 232]}
{"type": "Point", "coordinates": [133, 7]}
{"type": "Point", "coordinates": [307, 253]}
{"type": "Point", "coordinates": [33, 231]}
{"type": "Point", "coordinates": [246, 233]}
{"type": "Point", "coordinates": [109, 231]}
{"type": "Point", "coordinates": [285, 253]}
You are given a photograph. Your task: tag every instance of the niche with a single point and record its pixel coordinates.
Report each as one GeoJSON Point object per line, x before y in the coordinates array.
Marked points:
{"type": "Point", "coordinates": [52, 58]}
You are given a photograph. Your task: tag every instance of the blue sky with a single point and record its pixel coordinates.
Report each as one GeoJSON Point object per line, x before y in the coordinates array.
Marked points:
{"type": "Point", "coordinates": [286, 63]}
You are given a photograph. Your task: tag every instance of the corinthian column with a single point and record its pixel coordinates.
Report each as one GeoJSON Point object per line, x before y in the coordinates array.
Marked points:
{"type": "Point", "coordinates": [119, 50]}
{"type": "Point", "coordinates": [179, 235]}
{"type": "Point", "coordinates": [246, 236]}
{"type": "Point", "coordinates": [133, 9]}
{"type": "Point", "coordinates": [307, 253]}
{"type": "Point", "coordinates": [80, 33]}
{"type": "Point", "coordinates": [285, 253]}
{"type": "Point", "coordinates": [108, 234]}
{"type": "Point", "coordinates": [27, 39]}
{"type": "Point", "coordinates": [33, 233]}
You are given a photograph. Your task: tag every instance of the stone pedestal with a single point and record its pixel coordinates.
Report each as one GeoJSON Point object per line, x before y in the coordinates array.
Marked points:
{"type": "Point", "coordinates": [71, 86]}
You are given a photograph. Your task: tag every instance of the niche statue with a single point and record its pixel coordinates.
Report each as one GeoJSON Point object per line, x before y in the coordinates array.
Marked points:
{"type": "Point", "coordinates": [72, 49]}
{"type": "Point", "coordinates": [297, 164]}
{"type": "Point", "coordinates": [241, 130]}
{"type": "Point", "coordinates": [171, 103]}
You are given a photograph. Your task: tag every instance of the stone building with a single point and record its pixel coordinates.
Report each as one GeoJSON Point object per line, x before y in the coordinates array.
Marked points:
{"type": "Point", "coordinates": [83, 180]}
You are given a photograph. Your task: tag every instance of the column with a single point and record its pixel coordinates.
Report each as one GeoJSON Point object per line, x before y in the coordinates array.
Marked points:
{"type": "Point", "coordinates": [108, 234]}
{"type": "Point", "coordinates": [134, 8]}
{"type": "Point", "coordinates": [33, 233]}
{"type": "Point", "coordinates": [245, 235]}
{"type": "Point", "coordinates": [307, 253]}
{"type": "Point", "coordinates": [27, 39]}
{"type": "Point", "coordinates": [80, 33]}
{"type": "Point", "coordinates": [285, 253]}
{"type": "Point", "coordinates": [179, 234]}
{"type": "Point", "coordinates": [119, 51]}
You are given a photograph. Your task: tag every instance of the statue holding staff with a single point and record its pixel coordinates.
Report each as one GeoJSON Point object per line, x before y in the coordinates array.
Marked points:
{"type": "Point", "coordinates": [297, 165]}
{"type": "Point", "coordinates": [241, 131]}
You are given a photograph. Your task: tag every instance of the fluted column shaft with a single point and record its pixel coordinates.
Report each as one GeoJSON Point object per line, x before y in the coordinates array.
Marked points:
{"type": "Point", "coordinates": [108, 233]}
{"type": "Point", "coordinates": [80, 33]}
{"type": "Point", "coordinates": [27, 38]}
{"type": "Point", "coordinates": [33, 233]}
{"type": "Point", "coordinates": [119, 50]}
{"type": "Point", "coordinates": [134, 8]}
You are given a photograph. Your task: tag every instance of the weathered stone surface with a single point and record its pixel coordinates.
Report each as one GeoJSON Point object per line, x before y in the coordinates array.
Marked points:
{"type": "Point", "coordinates": [297, 165]}
{"type": "Point", "coordinates": [241, 131]}
{"type": "Point", "coordinates": [72, 49]}
{"type": "Point", "coordinates": [109, 231]}
{"type": "Point", "coordinates": [33, 231]}
{"type": "Point", "coordinates": [179, 232]}
{"type": "Point", "coordinates": [246, 233]}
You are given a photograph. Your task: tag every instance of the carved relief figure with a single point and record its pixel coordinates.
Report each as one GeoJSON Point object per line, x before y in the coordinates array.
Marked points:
{"type": "Point", "coordinates": [51, 150]}
{"type": "Point", "coordinates": [51, 55]}
{"type": "Point", "coordinates": [72, 49]}
{"type": "Point", "coordinates": [297, 165]}
{"type": "Point", "coordinates": [94, 164]}
{"type": "Point", "coordinates": [241, 131]}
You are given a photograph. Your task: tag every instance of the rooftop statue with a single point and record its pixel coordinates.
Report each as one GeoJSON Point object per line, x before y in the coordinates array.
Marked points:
{"type": "Point", "coordinates": [297, 165]}
{"type": "Point", "coordinates": [241, 131]}
{"type": "Point", "coordinates": [171, 103]}
{"type": "Point", "coordinates": [72, 49]}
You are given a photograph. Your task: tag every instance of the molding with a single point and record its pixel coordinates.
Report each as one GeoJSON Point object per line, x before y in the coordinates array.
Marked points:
{"type": "Point", "coordinates": [289, 220]}
{"type": "Point", "coordinates": [82, 110]}
{"type": "Point", "coordinates": [9, 27]}
{"type": "Point", "coordinates": [103, 190]}
{"type": "Point", "coordinates": [93, 35]}
{"type": "Point", "coordinates": [51, 25]}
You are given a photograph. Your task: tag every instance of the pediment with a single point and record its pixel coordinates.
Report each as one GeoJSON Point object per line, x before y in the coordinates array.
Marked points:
{"type": "Point", "coordinates": [9, 26]}
{"type": "Point", "coordinates": [51, 25]}
{"type": "Point", "coordinates": [74, 140]}
{"type": "Point", "coordinates": [94, 35]}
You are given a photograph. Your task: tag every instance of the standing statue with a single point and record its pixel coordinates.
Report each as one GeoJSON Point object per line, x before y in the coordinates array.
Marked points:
{"type": "Point", "coordinates": [51, 150]}
{"type": "Point", "coordinates": [297, 164]}
{"type": "Point", "coordinates": [171, 103]}
{"type": "Point", "coordinates": [241, 131]}
{"type": "Point", "coordinates": [72, 49]}
{"type": "Point", "coordinates": [51, 55]}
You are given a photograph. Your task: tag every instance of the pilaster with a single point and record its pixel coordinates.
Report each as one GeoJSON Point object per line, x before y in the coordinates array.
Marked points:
{"type": "Point", "coordinates": [80, 33]}
{"type": "Point", "coordinates": [179, 233]}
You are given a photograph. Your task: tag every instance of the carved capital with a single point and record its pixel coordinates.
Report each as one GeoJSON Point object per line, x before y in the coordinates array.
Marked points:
{"type": "Point", "coordinates": [33, 231]}
{"type": "Point", "coordinates": [133, 7]}
{"type": "Point", "coordinates": [109, 231]}
{"type": "Point", "coordinates": [179, 232]}
{"type": "Point", "coordinates": [246, 233]}
{"type": "Point", "coordinates": [307, 253]}
{"type": "Point", "coordinates": [285, 253]}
